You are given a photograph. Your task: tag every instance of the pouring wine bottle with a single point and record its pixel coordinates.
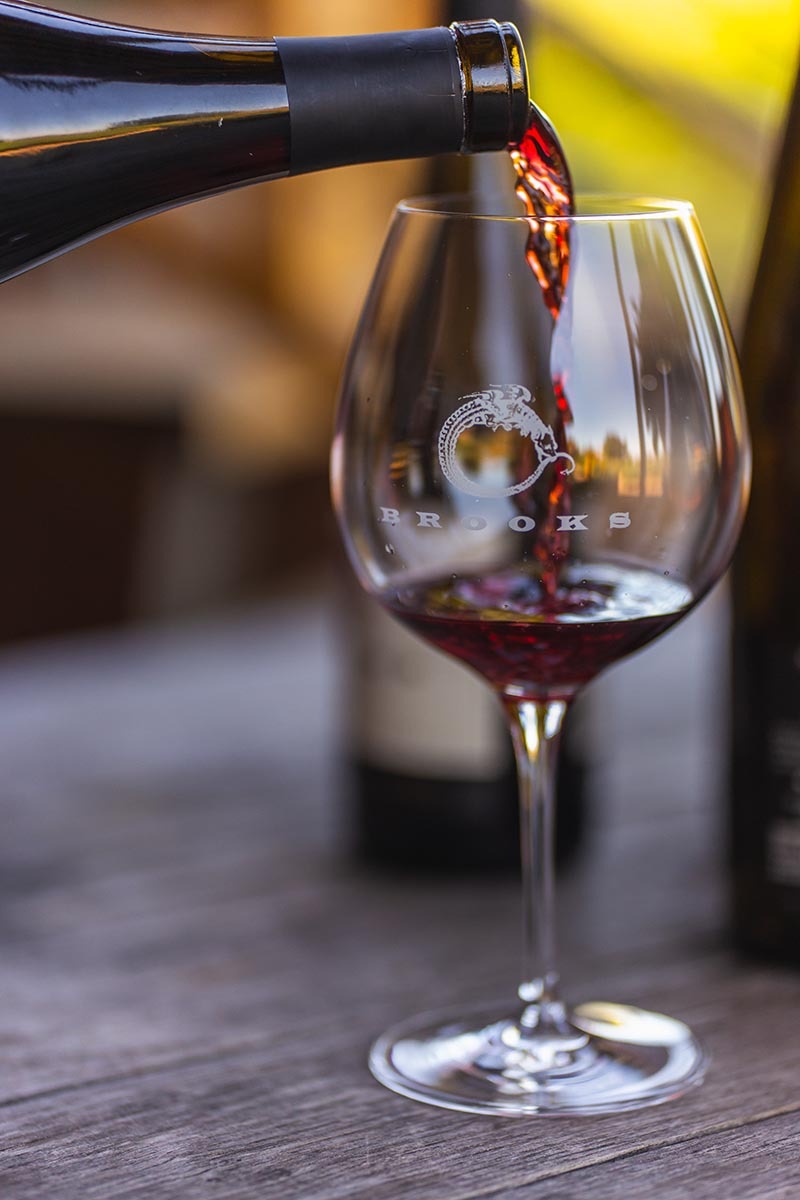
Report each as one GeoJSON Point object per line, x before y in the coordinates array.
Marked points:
{"type": "Point", "coordinates": [431, 780]}
{"type": "Point", "coordinates": [101, 124]}
{"type": "Point", "coordinates": [766, 720]}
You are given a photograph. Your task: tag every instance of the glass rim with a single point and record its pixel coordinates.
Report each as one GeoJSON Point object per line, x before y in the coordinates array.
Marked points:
{"type": "Point", "coordinates": [610, 206]}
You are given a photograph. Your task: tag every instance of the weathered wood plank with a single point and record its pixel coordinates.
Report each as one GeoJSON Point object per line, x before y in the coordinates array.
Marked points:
{"type": "Point", "coordinates": [300, 1117]}
{"type": "Point", "coordinates": [750, 1162]}
{"type": "Point", "coordinates": [142, 970]}
{"type": "Point", "coordinates": [170, 878]}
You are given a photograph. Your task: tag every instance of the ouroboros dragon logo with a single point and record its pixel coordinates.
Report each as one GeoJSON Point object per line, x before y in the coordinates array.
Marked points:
{"type": "Point", "coordinates": [508, 407]}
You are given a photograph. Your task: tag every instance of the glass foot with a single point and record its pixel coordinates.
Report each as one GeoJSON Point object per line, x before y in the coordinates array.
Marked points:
{"type": "Point", "coordinates": [596, 1058]}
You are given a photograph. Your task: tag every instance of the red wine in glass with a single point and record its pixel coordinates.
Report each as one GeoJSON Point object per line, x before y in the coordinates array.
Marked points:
{"type": "Point", "coordinates": [537, 645]}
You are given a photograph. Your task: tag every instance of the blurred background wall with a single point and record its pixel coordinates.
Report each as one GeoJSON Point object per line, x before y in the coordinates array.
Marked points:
{"type": "Point", "coordinates": [167, 392]}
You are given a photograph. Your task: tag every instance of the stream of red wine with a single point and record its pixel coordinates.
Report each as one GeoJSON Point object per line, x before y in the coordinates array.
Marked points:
{"type": "Point", "coordinates": [544, 186]}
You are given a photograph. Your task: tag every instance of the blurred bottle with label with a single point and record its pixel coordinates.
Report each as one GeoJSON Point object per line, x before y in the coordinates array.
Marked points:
{"type": "Point", "coordinates": [431, 773]}
{"type": "Point", "coordinates": [765, 780]}
{"type": "Point", "coordinates": [431, 766]}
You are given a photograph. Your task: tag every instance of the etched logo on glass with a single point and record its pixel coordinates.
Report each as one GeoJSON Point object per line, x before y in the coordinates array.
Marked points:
{"type": "Point", "coordinates": [508, 407]}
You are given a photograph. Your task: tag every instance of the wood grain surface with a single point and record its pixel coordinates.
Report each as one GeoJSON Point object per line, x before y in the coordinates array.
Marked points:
{"type": "Point", "coordinates": [193, 968]}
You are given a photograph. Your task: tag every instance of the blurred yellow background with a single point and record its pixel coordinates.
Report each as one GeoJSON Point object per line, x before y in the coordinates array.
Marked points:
{"type": "Point", "coordinates": [166, 391]}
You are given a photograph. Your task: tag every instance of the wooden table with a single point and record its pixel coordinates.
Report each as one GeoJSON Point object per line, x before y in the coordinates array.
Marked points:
{"type": "Point", "coordinates": [192, 969]}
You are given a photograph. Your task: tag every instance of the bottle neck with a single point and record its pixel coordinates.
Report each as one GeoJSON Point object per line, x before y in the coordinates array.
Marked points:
{"type": "Point", "coordinates": [342, 100]}
{"type": "Point", "coordinates": [372, 97]}
{"type": "Point", "coordinates": [412, 94]}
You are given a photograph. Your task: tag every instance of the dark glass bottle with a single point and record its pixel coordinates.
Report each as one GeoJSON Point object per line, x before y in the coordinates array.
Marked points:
{"type": "Point", "coordinates": [101, 124]}
{"type": "Point", "coordinates": [431, 776]}
{"type": "Point", "coordinates": [765, 779]}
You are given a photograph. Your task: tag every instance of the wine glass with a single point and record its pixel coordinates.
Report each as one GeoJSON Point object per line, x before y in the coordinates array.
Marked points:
{"type": "Point", "coordinates": [540, 494]}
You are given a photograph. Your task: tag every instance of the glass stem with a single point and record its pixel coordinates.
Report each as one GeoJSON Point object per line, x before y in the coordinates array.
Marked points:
{"type": "Point", "coordinates": [536, 732]}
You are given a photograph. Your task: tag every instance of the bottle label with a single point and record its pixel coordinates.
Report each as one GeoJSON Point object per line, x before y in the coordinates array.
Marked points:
{"type": "Point", "coordinates": [419, 713]}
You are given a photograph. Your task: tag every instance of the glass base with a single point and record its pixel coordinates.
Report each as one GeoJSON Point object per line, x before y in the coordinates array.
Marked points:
{"type": "Point", "coordinates": [596, 1058]}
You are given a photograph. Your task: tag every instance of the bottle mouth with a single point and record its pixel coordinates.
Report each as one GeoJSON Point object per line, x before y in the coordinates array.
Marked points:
{"type": "Point", "coordinates": [495, 77]}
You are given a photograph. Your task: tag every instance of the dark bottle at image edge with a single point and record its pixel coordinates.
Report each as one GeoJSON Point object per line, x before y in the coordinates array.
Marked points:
{"type": "Point", "coordinates": [101, 124]}
{"type": "Point", "coordinates": [765, 783]}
